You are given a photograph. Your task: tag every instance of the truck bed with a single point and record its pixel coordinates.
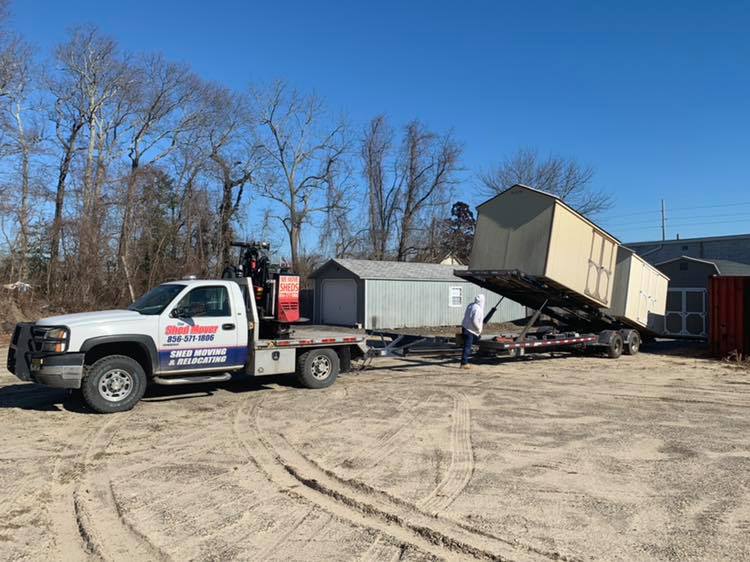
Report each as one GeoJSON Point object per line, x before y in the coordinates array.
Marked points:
{"type": "Point", "coordinates": [314, 336]}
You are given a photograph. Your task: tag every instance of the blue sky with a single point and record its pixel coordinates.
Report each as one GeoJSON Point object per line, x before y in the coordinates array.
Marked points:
{"type": "Point", "coordinates": [654, 95]}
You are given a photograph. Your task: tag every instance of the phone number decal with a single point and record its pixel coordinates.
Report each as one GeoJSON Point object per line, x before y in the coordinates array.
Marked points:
{"type": "Point", "coordinates": [191, 338]}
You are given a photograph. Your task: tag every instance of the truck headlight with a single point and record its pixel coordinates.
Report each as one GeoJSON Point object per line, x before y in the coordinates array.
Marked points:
{"type": "Point", "coordinates": [55, 340]}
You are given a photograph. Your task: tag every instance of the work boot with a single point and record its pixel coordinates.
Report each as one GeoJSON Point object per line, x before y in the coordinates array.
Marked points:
{"type": "Point", "coordinates": [466, 366]}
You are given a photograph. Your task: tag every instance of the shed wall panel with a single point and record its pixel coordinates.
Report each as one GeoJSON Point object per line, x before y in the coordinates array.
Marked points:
{"type": "Point", "coordinates": [412, 304]}
{"type": "Point", "coordinates": [513, 233]}
{"type": "Point", "coordinates": [581, 257]}
{"type": "Point", "coordinates": [640, 292]}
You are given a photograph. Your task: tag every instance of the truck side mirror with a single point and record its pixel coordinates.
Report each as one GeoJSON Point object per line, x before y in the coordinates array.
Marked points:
{"type": "Point", "coordinates": [179, 312]}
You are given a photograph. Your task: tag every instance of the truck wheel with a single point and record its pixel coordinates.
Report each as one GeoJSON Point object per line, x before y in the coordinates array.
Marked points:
{"type": "Point", "coordinates": [614, 350]}
{"type": "Point", "coordinates": [113, 384]}
{"type": "Point", "coordinates": [318, 368]}
{"type": "Point", "coordinates": [633, 343]}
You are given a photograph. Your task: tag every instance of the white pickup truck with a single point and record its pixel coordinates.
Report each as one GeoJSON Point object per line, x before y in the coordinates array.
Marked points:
{"type": "Point", "coordinates": [180, 332]}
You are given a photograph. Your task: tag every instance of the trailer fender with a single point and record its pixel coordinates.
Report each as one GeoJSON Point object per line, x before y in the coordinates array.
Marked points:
{"type": "Point", "coordinates": [605, 337]}
{"type": "Point", "coordinates": [632, 340]}
{"type": "Point", "coordinates": [613, 341]}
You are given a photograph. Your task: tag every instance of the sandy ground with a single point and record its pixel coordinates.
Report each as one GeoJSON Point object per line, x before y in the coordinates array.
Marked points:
{"type": "Point", "coordinates": [571, 458]}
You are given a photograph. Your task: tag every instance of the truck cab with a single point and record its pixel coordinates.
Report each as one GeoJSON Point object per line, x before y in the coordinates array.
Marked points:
{"type": "Point", "coordinates": [180, 332]}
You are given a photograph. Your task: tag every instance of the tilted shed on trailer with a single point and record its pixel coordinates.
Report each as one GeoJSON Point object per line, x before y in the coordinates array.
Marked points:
{"type": "Point", "coordinates": [530, 231]}
{"type": "Point", "coordinates": [640, 292]}
{"type": "Point", "coordinates": [533, 248]}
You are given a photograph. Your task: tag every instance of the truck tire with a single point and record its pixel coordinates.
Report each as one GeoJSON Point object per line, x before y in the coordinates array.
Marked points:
{"type": "Point", "coordinates": [318, 368]}
{"type": "Point", "coordinates": [113, 384]}
{"type": "Point", "coordinates": [614, 349]}
{"type": "Point", "coordinates": [633, 343]}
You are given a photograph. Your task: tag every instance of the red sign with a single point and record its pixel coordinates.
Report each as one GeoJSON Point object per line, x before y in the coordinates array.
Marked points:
{"type": "Point", "coordinates": [288, 298]}
{"type": "Point", "coordinates": [288, 286]}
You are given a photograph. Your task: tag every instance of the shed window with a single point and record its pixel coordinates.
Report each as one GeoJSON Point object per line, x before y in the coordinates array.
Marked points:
{"type": "Point", "coordinates": [456, 296]}
{"type": "Point", "coordinates": [684, 248]}
{"type": "Point", "coordinates": [683, 266]}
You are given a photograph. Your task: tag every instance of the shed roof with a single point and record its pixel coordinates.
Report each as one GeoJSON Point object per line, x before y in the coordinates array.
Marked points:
{"type": "Point", "coordinates": [395, 270]}
{"type": "Point", "coordinates": [723, 267]}
{"type": "Point", "coordinates": [728, 267]}
{"type": "Point", "coordinates": [690, 240]}
{"type": "Point", "coordinates": [554, 198]}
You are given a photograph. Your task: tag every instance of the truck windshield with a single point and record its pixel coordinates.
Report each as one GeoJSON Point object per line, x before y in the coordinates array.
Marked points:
{"type": "Point", "coordinates": [157, 299]}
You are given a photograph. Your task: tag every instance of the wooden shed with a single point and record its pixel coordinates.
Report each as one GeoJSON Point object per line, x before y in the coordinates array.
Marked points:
{"type": "Point", "coordinates": [536, 233]}
{"type": "Point", "coordinates": [639, 297]}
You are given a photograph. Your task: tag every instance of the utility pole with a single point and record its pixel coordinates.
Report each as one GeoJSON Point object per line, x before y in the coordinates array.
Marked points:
{"type": "Point", "coordinates": [663, 222]}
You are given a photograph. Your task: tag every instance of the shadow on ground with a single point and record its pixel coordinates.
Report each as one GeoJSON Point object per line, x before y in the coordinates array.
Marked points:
{"type": "Point", "coordinates": [30, 396]}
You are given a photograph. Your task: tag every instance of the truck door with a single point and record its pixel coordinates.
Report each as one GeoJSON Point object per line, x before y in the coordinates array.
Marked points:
{"type": "Point", "coordinates": [200, 332]}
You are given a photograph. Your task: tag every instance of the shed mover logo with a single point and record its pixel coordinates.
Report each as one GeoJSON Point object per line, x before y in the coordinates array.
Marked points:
{"type": "Point", "coordinates": [190, 330]}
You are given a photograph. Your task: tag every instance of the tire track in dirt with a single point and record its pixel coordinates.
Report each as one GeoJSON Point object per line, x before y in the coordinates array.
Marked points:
{"type": "Point", "coordinates": [369, 457]}
{"type": "Point", "coordinates": [101, 522]}
{"type": "Point", "coordinates": [381, 551]}
{"type": "Point", "coordinates": [365, 507]}
{"type": "Point", "coordinates": [461, 468]}
{"type": "Point", "coordinates": [293, 528]}
{"type": "Point", "coordinates": [54, 496]}
{"type": "Point", "coordinates": [68, 540]}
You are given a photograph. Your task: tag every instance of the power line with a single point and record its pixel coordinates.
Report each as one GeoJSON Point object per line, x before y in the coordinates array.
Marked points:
{"type": "Point", "coordinates": [656, 212]}
{"type": "Point", "coordinates": [693, 217]}
{"type": "Point", "coordinates": [654, 225]}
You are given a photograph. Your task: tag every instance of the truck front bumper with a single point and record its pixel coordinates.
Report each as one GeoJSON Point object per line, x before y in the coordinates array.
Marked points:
{"type": "Point", "coordinates": [59, 370]}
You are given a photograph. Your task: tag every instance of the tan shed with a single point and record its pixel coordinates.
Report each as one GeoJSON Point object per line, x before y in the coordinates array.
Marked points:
{"type": "Point", "coordinates": [537, 234]}
{"type": "Point", "coordinates": [640, 292]}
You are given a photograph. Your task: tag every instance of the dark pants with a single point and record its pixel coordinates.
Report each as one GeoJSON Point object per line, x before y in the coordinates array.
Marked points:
{"type": "Point", "coordinates": [469, 340]}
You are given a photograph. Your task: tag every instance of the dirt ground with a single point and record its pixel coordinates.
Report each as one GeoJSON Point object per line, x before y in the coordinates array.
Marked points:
{"type": "Point", "coordinates": [568, 458]}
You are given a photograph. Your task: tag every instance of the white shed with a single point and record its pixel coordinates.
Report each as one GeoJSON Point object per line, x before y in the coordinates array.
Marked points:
{"type": "Point", "coordinates": [386, 295]}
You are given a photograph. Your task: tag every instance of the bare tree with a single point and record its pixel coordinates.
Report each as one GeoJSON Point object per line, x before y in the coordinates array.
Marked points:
{"type": "Point", "coordinates": [89, 89]}
{"type": "Point", "coordinates": [25, 136]}
{"type": "Point", "coordinates": [339, 234]}
{"type": "Point", "coordinates": [562, 177]}
{"type": "Point", "coordinates": [234, 156]}
{"type": "Point", "coordinates": [302, 152]}
{"type": "Point", "coordinates": [163, 109]}
{"type": "Point", "coordinates": [427, 165]}
{"type": "Point", "coordinates": [383, 193]}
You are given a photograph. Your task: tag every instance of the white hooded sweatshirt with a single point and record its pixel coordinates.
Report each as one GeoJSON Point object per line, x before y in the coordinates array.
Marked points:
{"type": "Point", "coordinates": [474, 316]}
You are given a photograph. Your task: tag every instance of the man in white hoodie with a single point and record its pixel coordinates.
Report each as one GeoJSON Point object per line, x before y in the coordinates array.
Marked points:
{"type": "Point", "coordinates": [472, 327]}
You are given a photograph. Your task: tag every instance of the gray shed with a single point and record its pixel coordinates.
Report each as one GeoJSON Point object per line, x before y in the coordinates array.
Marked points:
{"type": "Point", "coordinates": [386, 295]}
{"type": "Point", "coordinates": [687, 298]}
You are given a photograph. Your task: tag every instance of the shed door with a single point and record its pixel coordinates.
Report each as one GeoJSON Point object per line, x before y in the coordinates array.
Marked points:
{"type": "Point", "coordinates": [686, 312]}
{"type": "Point", "coordinates": [646, 295]}
{"type": "Point", "coordinates": [339, 302]}
{"type": "Point", "coordinates": [601, 265]}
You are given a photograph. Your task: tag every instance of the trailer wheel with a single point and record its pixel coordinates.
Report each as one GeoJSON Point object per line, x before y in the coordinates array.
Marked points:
{"type": "Point", "coordinates": [633, 343]}
{"type": "Point", "coordinates": [614, 350]}
{"type": "Point", "coordinates": [113, 384]}
{"type": "Point", "coordinates": [318, 368]}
